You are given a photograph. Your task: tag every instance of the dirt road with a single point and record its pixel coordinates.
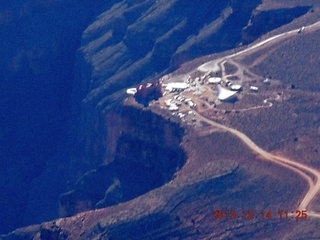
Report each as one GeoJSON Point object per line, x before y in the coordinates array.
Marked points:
{"type": "Point", "coordinates": [299, 168]}
{"type": "Point", "coordinates": [214, 64]}
{"type": "Point", "coordinates": [311, 175]}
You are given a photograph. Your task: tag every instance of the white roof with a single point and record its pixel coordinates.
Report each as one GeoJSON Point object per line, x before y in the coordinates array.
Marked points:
{"type": "Point", "coordinates": [173, 107]}
{"type": "Point", "coordinates": [254, 88]}
{"type": "Point", "coordinates": [214, 80]}
{"type": "Point", "coordinates": [190, 103]}
{"type": "Point", "coordinates": [235, 87]}
{"type": "Point", "coordinates": [169, 102]}
{"type": "Point", "coordinates": [224, 93]}
{"type": "Point", "coordinates": [176, 85]}
{"type": "Point", "coordinates": [131, 91]}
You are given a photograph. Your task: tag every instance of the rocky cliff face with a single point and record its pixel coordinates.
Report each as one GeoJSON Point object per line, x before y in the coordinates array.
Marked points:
{"type": "Point", "coordinates": [154, 37]}
{"type": "Point", "coordinates": [142, 152]}
{"type": "Point", "coordinates": [132, 42]}
{"type": "Point", "coordinates": [38, 44]}
{"type": "Point", "coordinates": [64, 68]}
{"type": "Point", "coordinates": [270, 19]}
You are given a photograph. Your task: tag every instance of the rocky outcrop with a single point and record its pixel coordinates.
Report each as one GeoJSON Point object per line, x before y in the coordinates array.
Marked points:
{"type": "Point", "coordinates": [154, 37]}
{"type": "Point", "coordinates": [184, 207]}
{"type": "Point", "coordinates": [262, 22]}
{"type": "Point", "coordinates": [148, 92]}
{"type": "Point", "coordinates": [143, 153]}
{"type": "Point", "coordinates": [38, 44]}
{"type": "Point", "coordinates": [64, 68]}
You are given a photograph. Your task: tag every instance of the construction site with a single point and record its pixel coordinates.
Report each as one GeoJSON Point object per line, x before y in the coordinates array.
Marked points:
{"type": "Point", "coordinates": [219, 87]}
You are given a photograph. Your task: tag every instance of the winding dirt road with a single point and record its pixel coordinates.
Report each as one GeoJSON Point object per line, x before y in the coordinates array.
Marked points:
{"type": "Point", "coordinates": [299, 168]}
{"type": "Point", "coordinates": [214, 64]}
{"type": "Point", "coordinates": [311, 175]}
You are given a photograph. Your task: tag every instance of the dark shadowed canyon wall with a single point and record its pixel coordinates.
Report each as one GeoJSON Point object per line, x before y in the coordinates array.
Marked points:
{"type": "Point", "coordinates": [142, 152]}
{"type": "Point", "coordinates": [154, 37]}
{"type": "Point", "coordinates": [38, 44]}
{"type": "Point", "coordinates": [63, 69]}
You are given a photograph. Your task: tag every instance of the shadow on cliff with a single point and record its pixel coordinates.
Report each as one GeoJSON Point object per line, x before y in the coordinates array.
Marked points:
{"type": "Point", "coordinates": [146, 154]}
{"type": "Point", "coordinates": [39, 40]}
{"type": "Point", "coordinates": [130, 42]}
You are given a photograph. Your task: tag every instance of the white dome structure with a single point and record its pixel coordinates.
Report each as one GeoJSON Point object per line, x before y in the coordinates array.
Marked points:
{"type": "Point", "coordinates": [224, 94]}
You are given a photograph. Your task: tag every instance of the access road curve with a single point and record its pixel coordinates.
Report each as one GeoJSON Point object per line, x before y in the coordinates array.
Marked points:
{"type": "Point", "coordinates": [303, 170]}
{"type": "Point", "coordinates": [292, 165]}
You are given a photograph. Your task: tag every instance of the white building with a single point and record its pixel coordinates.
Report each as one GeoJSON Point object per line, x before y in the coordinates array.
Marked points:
{"type": "Point", "coordinates": [254, 88]}
{"type": "Point", "coordinates": [173, 107]}
{"type": "Point", "coordinates": [176, 86]}
{"type": "Point", "coordinates": [235, 87]}
{"type": "Point", "coordinates": [131, 91]}
{"type": "Point", "coordinates": [214, 80]}
{"type": "Point", "coordinates": [224, 94]}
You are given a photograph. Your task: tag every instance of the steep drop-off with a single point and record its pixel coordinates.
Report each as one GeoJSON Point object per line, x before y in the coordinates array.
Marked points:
{"type": "Point", "coordinates": [142, 153]}
{"type": "Point", "coordinates": [155, 36]}
{"type": "Point", "coordinates": [38, 44]}
{"type": "Point", "coordinates": [52, 49]}
{"type": "Point", "coordinates": [134, 42]}
{"type": "Point", "coordinates": [270, 20]}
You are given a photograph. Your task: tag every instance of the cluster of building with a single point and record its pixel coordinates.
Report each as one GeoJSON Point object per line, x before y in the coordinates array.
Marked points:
{"type": "Point", "coordinates": [176, 86]}
{"type": "Point", "coordinates": [226, 90]}
{"type": "Point", "coordinates": [176, 102]}
{"type": "Point", "coordinates": [188, 116]}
